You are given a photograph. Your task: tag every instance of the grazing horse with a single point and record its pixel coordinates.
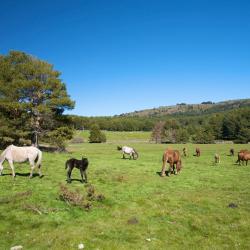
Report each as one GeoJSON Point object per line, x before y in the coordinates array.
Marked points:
{"type": "Point", "coordinates": [185, 151]}
{"type": "Point", "coordinates": [231, 152]}
{"type": "Point", "coordinates": [198, 152]}
{"type": "Point", "coordinates": [82, 165]}
{"type": "Point", "coordinates": [21, 154]}
{"type": "Point", "coordinates": [217, 158]}
{"type": "Point", "coordinates": [243, 155]}
{"type": "Point", "coordinates": [129, 151]}
{"type": "Point", "coordinates": [173, 157]}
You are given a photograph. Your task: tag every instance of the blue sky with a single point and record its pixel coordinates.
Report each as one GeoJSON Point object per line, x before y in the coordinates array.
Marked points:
{"type": "Point", "coordinates": [121, 56]}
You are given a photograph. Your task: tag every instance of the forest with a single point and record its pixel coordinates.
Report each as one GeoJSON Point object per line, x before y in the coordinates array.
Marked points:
{"type": "Point", "coordinates": [231, 125]}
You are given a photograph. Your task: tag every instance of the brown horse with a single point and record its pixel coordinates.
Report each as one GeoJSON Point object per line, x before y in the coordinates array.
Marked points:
{"type": "Point", "coordinates": [172, 157]}
{"type": "Point", "coordinates": [198, 152]}
{"type": "Point", "coordinates": [243, 155]}
{"type": "Point", "coordinates": [231, 152]}
{"type": "Point", "coordinates": [185, 151]}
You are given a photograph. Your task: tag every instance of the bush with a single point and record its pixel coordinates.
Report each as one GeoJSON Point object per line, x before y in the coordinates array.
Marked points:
{"type": "Point", "coordinates": [96, 136]}
{"type": "Point", "coordinates": [59, 136]}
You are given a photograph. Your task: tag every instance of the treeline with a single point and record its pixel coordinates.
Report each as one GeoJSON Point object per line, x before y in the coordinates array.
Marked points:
{"type": "Point", "coordinates": [114, 123]}
{"type": "Point", "coordinates": [231, 125]}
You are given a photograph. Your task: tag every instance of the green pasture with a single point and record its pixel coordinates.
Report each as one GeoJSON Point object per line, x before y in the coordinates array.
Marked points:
{"type": "Point", "coordinates": [206, 206]}
{"type": "Point", "coordinates": [120, 137]}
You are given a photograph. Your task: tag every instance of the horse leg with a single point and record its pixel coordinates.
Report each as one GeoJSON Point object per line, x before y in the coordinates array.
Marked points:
{"type": "Point", "coordinates": [1, 168]}
{"type": "Point", "coordinates": [12, 168]}
{"type": "Point", "coordinates": [85, 175]}
{"type": "Point", "coordinates": [123, 155]}
{"type": "Point", "coordinates": [69, 174]}
{"type": "Point", "coordinates": [171, 168]}
{"type": "Point", "coordinates": [163, 171]}
{"type": "Point", "coordinates": [175, 168]}
{"type": "Point", "coordinates": [32, 166]}
{"type": "Point", "coordinates": [40, 170]}
{"type": "Point", "coordinates": [81, 171]}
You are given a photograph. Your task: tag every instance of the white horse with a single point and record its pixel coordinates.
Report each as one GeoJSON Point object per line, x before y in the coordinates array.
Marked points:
{"type": "Point", "coordinates": [129, 151]}
{"type": "Point", "coordinates": [21, 154]}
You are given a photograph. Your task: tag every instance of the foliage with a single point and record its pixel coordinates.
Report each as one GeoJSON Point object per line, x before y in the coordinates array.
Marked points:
{"type": "Point", "coordinates": [32, 97]}
{"type": "Point", "coordinates": [96, 136]}
{"type": "Point", "coordinates": [157, 132]}
{"type": "Point", "coordinates": [203, 136]}
{"type": "Point", "coordinates": [225, 125]}
{"type": "Point", "coordinates": [58, 136]}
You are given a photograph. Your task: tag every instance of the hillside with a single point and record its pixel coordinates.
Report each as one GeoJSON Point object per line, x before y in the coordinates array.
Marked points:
{"type": "Point", "coordinates": [190, 109]}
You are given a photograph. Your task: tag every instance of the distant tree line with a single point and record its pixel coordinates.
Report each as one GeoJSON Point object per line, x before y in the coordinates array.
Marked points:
{"type": "Point", "coordinates": [231, 125]}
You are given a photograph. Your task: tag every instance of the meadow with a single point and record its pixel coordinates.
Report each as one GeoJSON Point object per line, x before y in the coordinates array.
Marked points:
{"type": "Point", "coordinates": [206, 206]}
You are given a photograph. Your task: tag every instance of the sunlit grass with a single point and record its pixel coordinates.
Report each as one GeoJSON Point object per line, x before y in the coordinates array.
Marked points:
{"type": "Point", "coordinates": [189, 210]}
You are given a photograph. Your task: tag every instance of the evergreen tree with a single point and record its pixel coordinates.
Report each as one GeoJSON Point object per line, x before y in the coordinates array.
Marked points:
{"type": "Point", "coordinates": [96, 136]}
{"type": "Point", "coordinates": [32, 97]}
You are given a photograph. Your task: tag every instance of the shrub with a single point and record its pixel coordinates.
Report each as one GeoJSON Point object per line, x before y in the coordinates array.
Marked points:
{"type": "Point", "coordinates": [96, 136]}
{"type": "Point", "coordinates": [59, 136]}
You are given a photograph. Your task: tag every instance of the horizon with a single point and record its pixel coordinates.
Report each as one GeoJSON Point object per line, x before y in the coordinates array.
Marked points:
{"type": "Point", "coordinates": [156, 107]}
{"type": "Point", "coordinates": [118, 57]}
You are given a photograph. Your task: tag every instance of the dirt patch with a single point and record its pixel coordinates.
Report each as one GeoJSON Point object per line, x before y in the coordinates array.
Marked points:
{"type": "Point", "coordinates": [75, 198]}
{"type": "Point", "coordinates": [121, 178]}
{"type": "Point", "coordinates": [133, 221]}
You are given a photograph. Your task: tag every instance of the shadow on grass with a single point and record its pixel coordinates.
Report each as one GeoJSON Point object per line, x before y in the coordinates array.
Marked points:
{"type": "Point", "coordinates": [25, 175]}
{"type": "Point", "coordinates": [76, 180]}
{"type": "Point", "coordinates": [166, 172]}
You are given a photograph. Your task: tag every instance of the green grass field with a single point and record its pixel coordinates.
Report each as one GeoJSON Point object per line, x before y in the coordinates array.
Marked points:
{"type": "Point", "coordinates": [141, 210]}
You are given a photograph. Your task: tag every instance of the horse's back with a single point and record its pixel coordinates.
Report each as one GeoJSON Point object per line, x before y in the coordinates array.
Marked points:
{"type": "Point", "coordinates": [127, 149]}
{"type": "Point", "coordinates": [21, 154]}
{"type": "Point", "coordinates": [171, 155]}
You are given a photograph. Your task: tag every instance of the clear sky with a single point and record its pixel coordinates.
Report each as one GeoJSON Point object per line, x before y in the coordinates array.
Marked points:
{"type": "Point", "coordinates": [125, 55]}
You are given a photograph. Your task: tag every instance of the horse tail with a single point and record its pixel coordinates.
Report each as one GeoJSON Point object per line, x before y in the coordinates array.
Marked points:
{"type": "Point", "coordinates": [2, 156]}
{"type": "Point", "coordinates": [66, 164]}
{"type": "Point", "coordinates": [39, 160]}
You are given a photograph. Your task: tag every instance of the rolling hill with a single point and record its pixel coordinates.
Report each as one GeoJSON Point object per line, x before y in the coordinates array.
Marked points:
{"type": "Point", "coordinates": [190, 109]}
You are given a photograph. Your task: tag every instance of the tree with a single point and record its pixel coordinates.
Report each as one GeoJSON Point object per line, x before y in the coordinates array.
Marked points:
{"type": "Point", "coordinates": [96, 136]}
{"type": "Point", "coordinates": [170, 128]}
{"type": "Point", "coordinates": [203, 136]}
{"type": "Point", "coordinates": [37, 99]}
{"type": "Point", "coordinates": [182, 136]}
{"type": "Point", "coordinates": [57, 137]}
{"type": "Point", "coordinates": [157, 132]}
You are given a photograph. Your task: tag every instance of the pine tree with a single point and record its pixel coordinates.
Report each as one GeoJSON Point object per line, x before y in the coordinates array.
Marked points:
{"type": "Point", "coordinates": [32, 97]}
{"type": "Point", "coordinates": [96, 136]}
